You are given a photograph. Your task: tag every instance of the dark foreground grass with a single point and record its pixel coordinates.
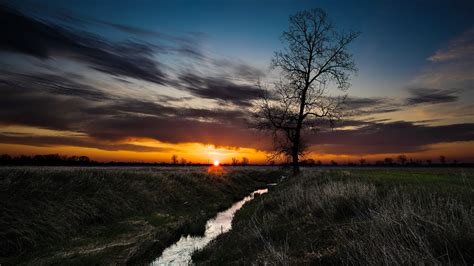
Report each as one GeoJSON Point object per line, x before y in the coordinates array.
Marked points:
{"type": "Point", "coordinates": [97, 215]}
{"type": "Point", "coordinates": [360, 217]}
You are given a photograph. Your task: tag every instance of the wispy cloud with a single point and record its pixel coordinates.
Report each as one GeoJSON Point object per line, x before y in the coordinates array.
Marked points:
{"type": "Point", "coordinates": [392, 137]}
{"type": "Point", "coordinates": [363, 106]}
{"type": "Point", "coordinates": [57, 103]}
{"type": "Point", "coordinates": [133, 59]}
{"type": "Point", "coordinates": [458, 49]}
{"type": "Point", "coordinates": [54, 141]}
{"type": "Point", "coordinates": [432, 96]}
{"type": "Point", "coordinates": [450, 67]}
{"type": "Point", "coordinates": [219, 89]}
{"type": "Point", "coordinates": [53, 103]}
{"type": "Point", "coordinates": [130, 59]}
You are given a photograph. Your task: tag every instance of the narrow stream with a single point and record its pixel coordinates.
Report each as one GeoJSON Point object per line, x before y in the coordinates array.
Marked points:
{"type": "Point", "coordinates": [180, 252]}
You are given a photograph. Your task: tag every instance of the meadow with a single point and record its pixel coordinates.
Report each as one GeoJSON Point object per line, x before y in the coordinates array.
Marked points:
{"type": "Point", "coordinates": [357, 217]}
{"type": "Point", "coordinates": [129, 215]}
{"type": "Point", "coordinates": [84, 215]}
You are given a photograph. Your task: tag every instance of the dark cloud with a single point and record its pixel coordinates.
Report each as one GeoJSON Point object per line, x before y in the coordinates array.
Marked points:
{"type": "Point", "coordinates": [170, 99]}
{"type": "Point", "coordinates": [51, 141]}
{"type": "Point", "coordinates": [33, 37]}
{"type": "Point", "coordinates": [53, 84]}
{"type": "Point", "coordinates": [357, 106]}
{"type": "Point", "coordinates": [63, 102]}
{"type": "Point", "coordinates": [175, 130]}
{"type": "Point", "coordinates": [353, 102]}
{"type": "Point", "coordinates": [122, 60]}
{"type": "Point", "coordinates": [394, 137]}
{"type": "Point", "coordinates": [130, 29]}
{"type": "Point", "coordinates": [185, 44]}
{"type": "Point", "coordinates": [239, 69]}
{"type": "Point", "coordinates": [35, 106]}
{"type": "Point", "coordinates": [350, 123]}
{"type": "Point", "coordinates": [46, 104]}
{"type": "Point", "coordinates": [219, 89]}
{"type": "Point", "coordinates": [60, 103]}
{"type": "Point", "coordinates": [360, 106]}
{"type": "Point", "coordinates": [432, 96]}
{"type": "Point", "coordinates": [133, 108]}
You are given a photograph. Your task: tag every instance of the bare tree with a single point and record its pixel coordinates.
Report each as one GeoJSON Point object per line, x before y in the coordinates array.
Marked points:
{"type": "Point", "coordinates": [442, 159]}
{"type": "Point", "coordinates": [174, 159]}
{"type": "Point", "coordinates": [388, 161]}
{"type": "Point", "coordinates": [402, 159]}
{"type": "Point", "coordinates": [235, 161]}
{"type": "Point", "coordinates": [245, 161]}
{"type": "Point", "coordinates": [315, 56]}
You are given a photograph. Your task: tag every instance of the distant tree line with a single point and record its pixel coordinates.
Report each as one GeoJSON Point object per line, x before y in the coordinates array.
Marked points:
{"type": "Point", "coordinates": [401, 160]}
{"type": "Point", "coordinates": [175, 160]}
{"type": "Point", "coordinates": [46, 159]}
{"type": "Point", "coordinates": [64, 160]}
{"type": "Point", "coordinates": [244, 161]}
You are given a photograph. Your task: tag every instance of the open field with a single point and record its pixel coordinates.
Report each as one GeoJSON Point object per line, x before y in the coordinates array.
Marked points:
{"type": "Point", "coordinates": [355, 216]}
{"type": "Point", "coordinates": [74, 215]}
{"type": "Point", "coordinates": [83, 216]}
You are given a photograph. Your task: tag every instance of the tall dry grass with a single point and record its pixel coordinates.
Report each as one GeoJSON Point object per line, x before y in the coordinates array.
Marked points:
{"type": "Point", "coordinates": [342, 218]}
{"type": "Point", "coordinates": [46, 207]}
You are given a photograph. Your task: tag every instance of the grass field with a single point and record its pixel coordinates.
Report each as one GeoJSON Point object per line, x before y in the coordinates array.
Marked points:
{"type": "Point", "coordinates": [84, 216]}
{"type": "Point", "coordinates": [355, 216]}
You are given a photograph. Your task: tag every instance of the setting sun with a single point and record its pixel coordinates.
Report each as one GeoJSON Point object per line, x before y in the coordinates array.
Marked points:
{"type": "Point", "coordinates": [216, 163]}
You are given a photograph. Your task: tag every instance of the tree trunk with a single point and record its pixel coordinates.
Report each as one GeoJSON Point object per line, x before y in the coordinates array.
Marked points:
{"type": "Point", "coordinates": [296, 141]}
{"type": "Point", "coordinates": [295, 163]}
{"type": "Point", "coordinates": [296, 152]}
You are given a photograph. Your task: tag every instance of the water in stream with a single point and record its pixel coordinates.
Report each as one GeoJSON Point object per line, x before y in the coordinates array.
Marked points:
{"type": "Point", "coordinates": [180, 252]}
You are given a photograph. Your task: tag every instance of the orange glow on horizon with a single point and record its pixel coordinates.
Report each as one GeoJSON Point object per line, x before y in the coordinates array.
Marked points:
{"type": "Point", "coordinates": [216, 169]}
{"type": "Point", "coordinates": [191, 152]}
{"type": "Point", "coordinates": [204, 153]}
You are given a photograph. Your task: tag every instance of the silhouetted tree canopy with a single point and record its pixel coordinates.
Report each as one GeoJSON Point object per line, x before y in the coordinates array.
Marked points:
{"type": "Point", "coordinates": [315, 56]}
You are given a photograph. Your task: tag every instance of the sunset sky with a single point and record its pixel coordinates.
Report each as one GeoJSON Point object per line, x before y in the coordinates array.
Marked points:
{"type": "Point", "coordinates": [143, 80]}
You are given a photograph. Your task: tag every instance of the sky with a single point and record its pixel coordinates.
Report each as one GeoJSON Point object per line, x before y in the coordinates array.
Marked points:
{"type": "Point", "coordinates": [143, 80]}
